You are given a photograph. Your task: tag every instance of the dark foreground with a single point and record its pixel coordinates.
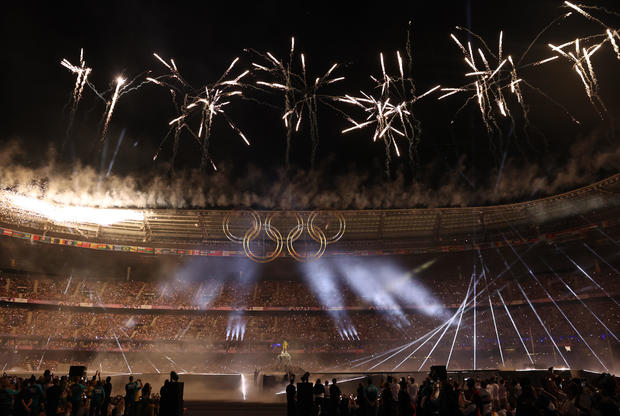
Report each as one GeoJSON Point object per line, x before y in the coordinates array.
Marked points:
{"type": "Point", "coordinates": [199, 408]}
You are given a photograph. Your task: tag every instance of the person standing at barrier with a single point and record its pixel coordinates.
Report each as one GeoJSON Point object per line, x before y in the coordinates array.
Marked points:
{"type": "Point", "coordinates": [371, 393]}
{"type": "Point", "coordinates": [405, 405]}
{"type": "Point", "coordinates": [107, 388]}
{"type": "Point", "coordinates": [171, 401]}
{"type": "Point", "coordinates": [361, 399]}
{"type": "Point", "coordinates": [319, 394]}
{"type": "Point", "coordinates": [130, 396]}
{"type": "Point", "coordinates": [291, 405]}
{"type": "Point", "coordinates": [96, 400]}
{"type": "Point", "coordinates": [76, 391]}
{"type": "Point", "coordinates": [334, 399]}
{"type": "Point", "coordinates": [304, 396]}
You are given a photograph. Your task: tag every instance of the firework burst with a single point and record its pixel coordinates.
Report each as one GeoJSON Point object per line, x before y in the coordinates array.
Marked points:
{"type": "Point", "coordinates": [301, 92]}
{"type": "Point", "coordinates": [389, 110]}
{"type": "Point", "coordinates": [204, 104]}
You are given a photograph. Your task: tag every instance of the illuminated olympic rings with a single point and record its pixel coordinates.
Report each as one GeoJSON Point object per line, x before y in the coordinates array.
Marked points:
{"type": "Point", "coordinates": [258, 225]}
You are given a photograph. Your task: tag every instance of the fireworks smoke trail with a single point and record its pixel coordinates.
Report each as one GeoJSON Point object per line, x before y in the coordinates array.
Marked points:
{"type": "Point", "coordinates": [543, 325]}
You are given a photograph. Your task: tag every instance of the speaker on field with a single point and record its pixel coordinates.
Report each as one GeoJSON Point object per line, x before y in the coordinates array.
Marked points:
{"type": "Point", "coordinates": [77, 371]}
{"type": "Point", "coordinates": [438, 372]}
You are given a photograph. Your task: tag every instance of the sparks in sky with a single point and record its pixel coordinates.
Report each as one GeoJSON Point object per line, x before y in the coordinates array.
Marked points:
{"type": "Point", "coordinates": [301, 92]}
{"type": "Point", "coordinates": [206, 103]}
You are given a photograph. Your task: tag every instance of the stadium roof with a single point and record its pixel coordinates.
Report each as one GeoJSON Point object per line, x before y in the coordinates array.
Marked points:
{"type": "Point", "coordinates": [394, 229]}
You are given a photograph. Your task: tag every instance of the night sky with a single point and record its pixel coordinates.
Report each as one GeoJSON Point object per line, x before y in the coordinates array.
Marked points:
{"type": "Point", "coordinates": [119, 38]}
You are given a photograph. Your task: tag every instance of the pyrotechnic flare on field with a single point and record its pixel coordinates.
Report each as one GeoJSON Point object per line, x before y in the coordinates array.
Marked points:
{"type": "Point", "coordinates": [208, 101]}
{"type": "Point", "coordinates": [301, 95]}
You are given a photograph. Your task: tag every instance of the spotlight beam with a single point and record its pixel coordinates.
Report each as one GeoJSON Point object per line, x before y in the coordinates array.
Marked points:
{"type": "Point", "coordinates": [600, 258]}
{"type": "Point", "coordinates": [601, 231]}
{"type": "Point", "coordinates": [456, 333]}
{"type": "Point", "coordinates": [461, 308]}
{"type": "Point", "coordinates": [426, 337]}
{"type": "Point", "coordinates": [474, 340]}
{"type": "Point", "coordinates": [529, 355]}
{"type": "Point", "coordinates": [508, 267]}
{"type": "Point", "coordinates": [499, 344]}
{"type": "Point", "coordinates": [543, 325]}
{"type": "Point", "coordinates": [439, 340]}
{"type": "Point", "coordinates": [531, 273]}
{"type": "Point", "coordinates": [587, 275]}
{"type": "Point", "coordinates": [609, 331]}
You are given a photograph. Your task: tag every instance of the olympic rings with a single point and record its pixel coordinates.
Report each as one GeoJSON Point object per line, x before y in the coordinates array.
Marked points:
{"type": "Point", "coordinates": [258, 225]}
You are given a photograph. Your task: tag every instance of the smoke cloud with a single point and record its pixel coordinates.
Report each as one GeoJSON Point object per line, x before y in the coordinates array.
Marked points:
{"type": "Point", "coordinates": [589, 160]}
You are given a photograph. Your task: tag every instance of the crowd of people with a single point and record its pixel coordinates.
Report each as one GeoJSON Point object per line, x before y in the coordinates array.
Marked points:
{"type": "Point", "coordinates": [214, 293]}
{"type": "Point", "coordinates": [77, 395]}
{"type": "Point", "coordinates": [138, 326]}
{"type": "Point", "coordinates": [553, 395]}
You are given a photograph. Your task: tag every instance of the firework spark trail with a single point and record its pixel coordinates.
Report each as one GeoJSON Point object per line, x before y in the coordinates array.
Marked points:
{"type": "Point", "coordinates": [390, 111]}
{"type": "Point", "coordinates": [82, 73]}
{"type": "Point", "coordinates": [582, 64]}
{"type": "Point", "coordinates": [208, 101]}
{"type": "Point", "coordinates": [587, 275]}
{"type": "Point", "coordinates": [487, 88]}
{"type": "Point", "coordinates": [484, 274]}
{"type": "Point", "coordinates": [609, 331]}
{"type": "Point", "coordinates": [543, 325]}
{"type": "Point", "coordinates": [301, 95]}
{"type": "Point", "coordinates": [531, 273]}
{"type": "Point", "coordinates": [514, 325]}
{"type": "Point", "coordinates": [119, 83]}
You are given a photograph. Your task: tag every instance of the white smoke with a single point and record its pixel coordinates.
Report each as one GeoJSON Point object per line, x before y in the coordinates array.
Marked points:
{"type": "Point", "coordinates": [81, 185]}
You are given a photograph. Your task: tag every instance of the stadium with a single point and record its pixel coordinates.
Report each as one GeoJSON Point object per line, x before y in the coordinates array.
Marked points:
{"type": "Point", "coordinates": [396, 209]}
{"type": "Point", "coordinates": [509, 287]}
